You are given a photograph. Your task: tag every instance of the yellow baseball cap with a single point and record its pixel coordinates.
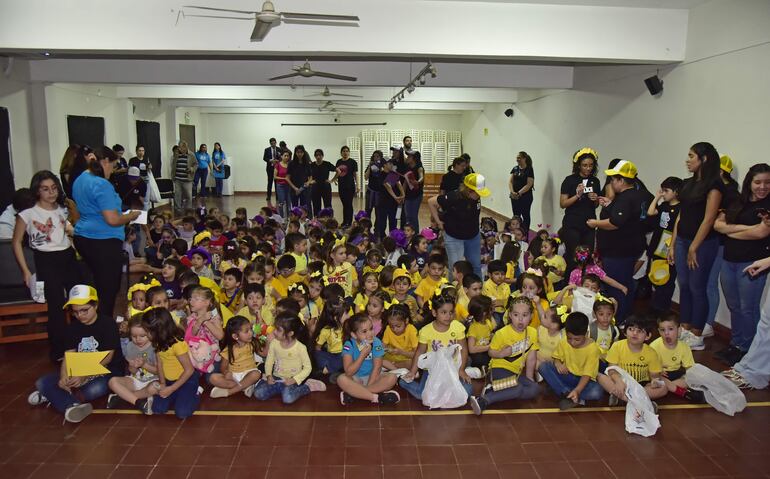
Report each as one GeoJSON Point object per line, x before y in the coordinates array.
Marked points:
{"type": "Point", "coordinates": [477, 183]}
{"type": "Point", "coordinates": [81, 294]}
{"type": "Point", "coordinates": [201, 236]}
{"type": "Point", "coordinates": [624, 168]}
{"type": "Point", "coordinates": [401, 273]}
{"type": "Point", "coordinates": [659, 272]}
{"type": "Point", "coordinates": [726, 164]}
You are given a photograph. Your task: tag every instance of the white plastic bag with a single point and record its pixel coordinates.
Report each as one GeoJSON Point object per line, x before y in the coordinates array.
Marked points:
{"type": "Point", "coordinates": [720, 392]}
{"type": "Point", "coordinates": [443, 388]}
{"type": "Point", "coordinates": [153, 192]}
{"type": "Point", "coordinates": [583, 301]}
{"type": "Point", "coordinates": [640, 415]}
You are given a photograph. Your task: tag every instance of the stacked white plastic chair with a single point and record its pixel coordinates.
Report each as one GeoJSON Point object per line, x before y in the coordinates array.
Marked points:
{"type": "Point", "coordinates": [440, 159]}
{"type": "Point", "coordinates": [426, 156]}
{"type": "Point", "coordinates": [453, 150]}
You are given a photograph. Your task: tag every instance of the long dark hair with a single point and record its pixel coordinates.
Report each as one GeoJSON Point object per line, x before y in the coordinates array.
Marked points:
{"type": "Point", "coordinates": [708, 173]}
{"type": "Point", "coordinates": [217, 144]}
{"type": "Point", "coordinates": [305, 160]}
{"type": "Point", "coordinates": [527, 158]}
{"type": "Point", "coordinates": [331, 316]}
{"type": "Point", "coordinates": [200, 148]}
{"type": "Point", "coordinates": [102, 153]}
{"type": "Point", "coordinates": [233, 326]}
{"type": "Point", "coordinates": [163, 331]}
{"type": "Point", "coordinates": [745, 196]}
{"type": "Point", "coordinates": [39, 177]}
{"type": "Point", "coordinates": [290, 322]}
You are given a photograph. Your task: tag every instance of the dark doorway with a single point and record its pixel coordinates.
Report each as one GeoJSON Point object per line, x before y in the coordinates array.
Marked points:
{"type": "Point", "coordinates": [187, 133]}
{"type": "Point", "coordinates": [148, 134]}
{"type": "Point", "coordinates": [85, 130]}
{"type": "Point", "coordinates": [6, 173]}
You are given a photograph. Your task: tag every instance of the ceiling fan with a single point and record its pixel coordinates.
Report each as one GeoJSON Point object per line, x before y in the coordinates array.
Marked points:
{"type": "Point", "coordinates": [307, 71]}
{"type": "Point", "coordinates": [327, 93]}
{"type": "Point", "coordinates": [267, 18]}
{"type": "Point", "coordinates": [331, 106]}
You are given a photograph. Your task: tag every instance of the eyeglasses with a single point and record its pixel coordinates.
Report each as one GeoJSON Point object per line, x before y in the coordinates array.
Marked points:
{"type": "Point", "coordinates": [81, 312]}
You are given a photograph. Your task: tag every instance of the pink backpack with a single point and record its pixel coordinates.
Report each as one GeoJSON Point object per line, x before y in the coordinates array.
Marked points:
{"type": "Point", "coordinates": [204, 347]}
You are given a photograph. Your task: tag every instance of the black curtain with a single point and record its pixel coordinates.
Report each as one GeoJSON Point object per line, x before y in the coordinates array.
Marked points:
{"type": "Point", "coordinates": [85, 130]}
{"type": "Point", "coordinates": [7, 187]}
{"type": "Point", "coordinates": [148, 135]}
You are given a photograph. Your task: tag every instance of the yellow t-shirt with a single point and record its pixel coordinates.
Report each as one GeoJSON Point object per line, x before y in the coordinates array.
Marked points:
{"type": "Point", "coordinates": [285, 363]}
{"type": "Point", "coordinates": [225, 265]}
{"type": "Point", "coordinates": [265, 313]}
{"type": "Point", "coordinates": [547, 343]}
{"type": "Point", "coordinates": [436, 340]}
{"type": "Point", "coordinates": [604, 340]}
{"type": "Point", "coordinates": [416, 278]}
{"type": "Point", "coordinates": [281, 284]}
{"type": "Point", "coordinates": [168, 360]}
{"type": "Point", "coordinates": [673, 359]}
{"type": "Point", "coordinates": [224, 299]}
{"type": "Point", "coordinates": [427, 287]}
{"type": "Point", "coordinates": [406, 342]}
{"type": "Point", "coordinates": [481, 331]}
{"type": "Point", "coordinates": [361, 301]}
{"type": "Point", "coordinates": [301, 260]}
{"type": "Point", "coordinates": [510, 271]}
{"type": "Point", "coordinates": [243, 359]}
{"type": "Point", "coordinates": [638, 365]}
{"type": "Point", "coordinates": [309, 311]}
{"type": "Point", "coordinates": [580, 361]}
{"type": "Point", "coordinates": [332, 338]}
{"type": "Point", "coordinates": [344, 275]}
{"type": "Point", "coordinates": [369, 269]}
{"type": "Point", "coordinates": [498, 292]}
{"type": "Point", "coordinates": [461, 312]}
{"type": "Point", "coordinates": [558, 263]}
{"type": "Point", "coordinates": [411, 303]}
{"type": "Point", "coordinates": [522, 343]}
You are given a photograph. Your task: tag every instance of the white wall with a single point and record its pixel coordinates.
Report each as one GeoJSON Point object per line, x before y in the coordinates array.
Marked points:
{"type": "Point", "coordinates": [245, 136]}
{"type": "Point", "coordinates": [723, 99]}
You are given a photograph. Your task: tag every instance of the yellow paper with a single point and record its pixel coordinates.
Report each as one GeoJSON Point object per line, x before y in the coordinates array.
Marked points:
{"type": "Point", "coordinates": [85, 364]}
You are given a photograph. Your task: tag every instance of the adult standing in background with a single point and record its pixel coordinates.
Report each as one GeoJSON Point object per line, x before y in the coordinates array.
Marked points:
{"type": "Point", "coordinates": [298, 178]}
{"type": "Point", "coordinates": [122, 165]}
{"type": "Point", "coordinates": [99, 233]}
{"type": "Point", "coordinates": [743, 293]}
{"type": "Point", "coordinates": [459, 218]}
{"type": "Point", "coordinates": [183, 168]}
{"type": "Point", "coordinates": [579, 198]}
{"type": "Point", "coordinates": [521, 184]}
{"type": "Point", "coordinates": [453, 178]}
{"type": "Point", "coordinates": [142, 162]}
{"type": "Point", "coordinates": [202, 172]}
{"type": "Point", "coordinates": [414, 179]}
{"type": "Point", "coordinates": [321, 189]}
{"type": "Point", "coordinates": [271, 156]}
{"type": "Point", "coordinates": [67, 162]}
{"type": "Point", "coordinates": [374, 178]}
{"type": "Point", "coordinates": [218, 158]}
{"type": "Point", "coordinates": [83, 157]}
{"type": "Point", "coordinates": [347, 184]}
{"type": "Point", "coordinates": [694, 239]}
{"type": "Point", "coordinates": [621, 233]}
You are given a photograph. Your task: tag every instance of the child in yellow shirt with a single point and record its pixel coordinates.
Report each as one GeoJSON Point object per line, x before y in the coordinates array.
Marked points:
{"type": "Point", "coordinates": [531, 286]}
{"type": "Point", "coordinates": [549, 334]}
{"type": "Point", "coordinates": [497, 290]}
{"type": "Point", "coordinates": [399, 339]}
{"type": "Point", "coordinates": [328, 337]}
{"type": "Point", "coordinates": [296, 246]}
{"type": "Point", "coordinates": [434, 279]}
{"type": "Point", "coordinates": [676, 358]}
{"type": "Point", "coordinates": [402, 282]}
{"type": "Point", "coordinates": [603, 330]}
{"type": "Point", "coordinates": [231, 295]}
{"type": "Point", "coordinates": [471, 288]}
{"type": "Point", "coordinates": [370, 285]}
{"type": "Point", "coordinates": [479, 334]}
{"type": "Point", "coordinates": [373, 262]}
{"type": "Point", "coordinates": [556, 264]}
{"type": "Point", "coordinates": [285, 275]}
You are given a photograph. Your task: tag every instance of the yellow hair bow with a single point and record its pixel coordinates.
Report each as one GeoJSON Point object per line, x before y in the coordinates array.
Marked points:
{"type": "Point", "coordinates": [321, 241]}
{"type": "Point", "coordinates": [142, 287]}
{"type": "Point", "coordinates": [362, 307]}
{"type": "Point", "coordinates": [322, 278]}
{"type": "Point", "coordinates": [340, 241]}
{"type": "Point", "coordinates": [562, 311]}
{"type": "Point", "coordinates": [534, 271]}
{"type": "Point", "coordinates": [585, 151]}
{"type": "Point", "coordinates": [556, 239]}
{"type": "Point", "coordinates": [298, 287]}
{"type": "Point", "coordinates": [602, 298]}
{"type": "Point", "coordinates": [392, 303]}
{"type": "Point", "coordinates": [256, 255]}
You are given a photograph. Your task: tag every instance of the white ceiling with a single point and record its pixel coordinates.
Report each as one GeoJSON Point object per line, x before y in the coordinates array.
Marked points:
{"type": "Point", "coordinates": [670, 4]}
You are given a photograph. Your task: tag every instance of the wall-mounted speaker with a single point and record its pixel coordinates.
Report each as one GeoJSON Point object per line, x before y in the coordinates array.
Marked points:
{"type": "Point", "coordinates": [509, 112]}
{"type": "Point", "coordinates": [654, 85]}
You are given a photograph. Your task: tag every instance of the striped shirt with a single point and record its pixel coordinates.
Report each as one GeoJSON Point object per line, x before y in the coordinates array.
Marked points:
{"type": "Point", "coordinates": [182, 168]}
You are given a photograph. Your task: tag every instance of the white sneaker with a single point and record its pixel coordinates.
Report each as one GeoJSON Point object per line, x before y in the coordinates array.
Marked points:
{"type": "Point", "coordinates": [217, 392]}
{"type": "Point", "coordinates": [78, 412]}
{"type": "Point", "coordinates": [538, 377]}
{"type": "Point", "coordinates": [694, 342]}
{"type": "Point", "coordinates": [474, 373]}
{"type": "Point", "coordinates": [708, 331]}
{"type": "Point", "coordinates": [36, 399]}
{"type": "Point", "coordinates": [399, 372]}
{"type": "Point", "coordinates": [315, 385]}
{"type": "Point", "coordinates": [249, 391]}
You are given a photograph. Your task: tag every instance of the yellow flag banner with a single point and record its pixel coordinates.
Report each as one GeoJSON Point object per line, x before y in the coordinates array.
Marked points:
{"type": "Point", "coordinates": [85, 364]}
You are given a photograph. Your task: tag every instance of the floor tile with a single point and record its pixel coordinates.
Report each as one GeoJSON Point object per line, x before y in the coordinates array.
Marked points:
{"type": "Point", "coordinates": [326, 456]}
{"type": "Point", "coordinates": [402, 472]}
{"type": "Point", "coordinates": [522, 470]}
{"type": "Point", "coordinates": [325, 472]}
{"type": "Point", "coordinates": [239, 472]}
{"type": "Point", "coordinates": [436, 455]}
{"type": "Point", "coordinates": [472, 454]}
{"type": "Point", "coordinates": [554, 470]}
{"type": "Point", "coordinates": [363, 455]}
{"type": "Point", "coordinates": [578, 451]}
{"type": "Point", "coordinates": [19, 471]}
{"type": "Point", "coordinates": [476, 471]}
{"type": "Point", "coordinates": [100, 471]}
{"type": "Point", "coordinates": [180, 455]}
{"type": "Point", "coordinates": [170, 472]}
{"type": "Point", "coordinates": [363, 472]}
{"type": "Point", "coordinates": [510, 453]}
{"type": "Point", "coordinates": [216, 456]}
{"type": "Point", "coordinates": [289, 456]}
{"type": "Point", "coordinates": [431, 471]}
{"type": "Point", "coordinates": [252, 456]}
{"type": "Point", "coordinates": [53, 471]}
{"type": "Point", "coordinates": [591, 469]}
{"type": "Point", "coordinates": [697, 465]}
{"type": "Point", "coordinates": [131, 472]}
{"type": "Point", "coordinates": [286, 473]}
{"type": "Point", "coordinates": [34, 454]}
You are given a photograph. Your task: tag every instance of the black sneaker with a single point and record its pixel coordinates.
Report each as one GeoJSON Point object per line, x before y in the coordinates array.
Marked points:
{"type": "Point", "coordinates": [695, 396]}
{"type": "Point", "coordinates": [113, 401]}
{"type": "Point", "coordinates": [345, 398]}
{"type": "Point", "coordinates": [733, 357]}
{"type": "Point", "coordinates": [566, 403]}
{"type": "Point", "coordinates": [143, 405]}
{"type": "Point", "coordinates": [724, 354]}
{"type": "Point", "coordinates": [388, 398]}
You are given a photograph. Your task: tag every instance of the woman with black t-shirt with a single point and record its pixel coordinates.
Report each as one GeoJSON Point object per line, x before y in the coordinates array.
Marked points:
{"type": "Point", "coordinates": [621, 233]}
{"type": "Point", "coordinates": [414, 178]}
{"type": "Point", "coordinates": [459, 219]}
{"type": "Point", "coordinates": [373, 176]}
{"type": "Point", "coordinates": [454, 177]}
{"type": "Point", "coordinates": [347, 185]}
{"type": "Point", "coordinates": [521, 184]}
{"type": "Point", "coordinates": [579, 198]}
{"type": "Point", "coordinates": [743, 293]}
{"type": "Point", "coordinates": [694, 239]}
{"type": "Point", "coordinates": [321, 188]}
{"type": "Point", "coordinates": [298, 177]}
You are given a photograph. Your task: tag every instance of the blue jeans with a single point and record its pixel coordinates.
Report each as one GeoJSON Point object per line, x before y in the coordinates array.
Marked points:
{"type": "Point", "coordinates": [201, 174]}
{"type": "Point", "coordinates": [563, 384]}
{"type": "Point", "coordinates": [412, 207]}
{"type": "Point", "coordinates": [385, 219]}
{"type": "Point", "coordinates": [218, 182]}
{"type": "Point", "coordinates": [331, 361]}
{"type": "Point", "coordinates": [282, 195]}
{"type": "Point", "coordinates": [525, 389]}
{"type": "Point", "coordinates": [713, 286]}
{"type": "Point", "coordinates": [184, 400]}
{"type": "Point", "coordinates": [693, 298]}
{"type": "Point", "coordinates": [743, 295]}
{"type": "Point", "coordinates": [289, 394]}
{"type": "Point", "coordinates": [61, 400]}
{"type": "Point", "coordinates": [415, 388]}
{"type": "Point", "coordinates": [456, 249]}
{"type": "Point", "coordinates": [622, 271]}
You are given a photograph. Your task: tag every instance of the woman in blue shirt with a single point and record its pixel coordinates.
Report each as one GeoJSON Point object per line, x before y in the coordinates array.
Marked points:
{"type": "Point", "coordinates": [99, 233]}
{"type": "Point", "coordinates": [202, 173]}
{"type": "Point", "coordinates": [218, 158]}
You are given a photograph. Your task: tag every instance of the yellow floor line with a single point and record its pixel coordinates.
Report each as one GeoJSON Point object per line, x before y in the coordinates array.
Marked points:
{"type": "Point", "coordinates": [454, 412]}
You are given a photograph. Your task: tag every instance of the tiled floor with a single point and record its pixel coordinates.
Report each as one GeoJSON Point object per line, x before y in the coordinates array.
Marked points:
{"type": "Point", "coordinates": [317, 439]}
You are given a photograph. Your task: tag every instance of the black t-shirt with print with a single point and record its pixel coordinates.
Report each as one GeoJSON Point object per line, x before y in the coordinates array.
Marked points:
{"type": "Point", "coordinates": [666, 219]}
{"type": "Point", "coordinates": [745, 251]}
{"type": "Point", "coordinates": [347, 181]}
{"type": "Point", "coordinates": [625, 213]}
{"type": "Point", "coordinates": [102, 335]}
{"type": "Point", "coordinates": [461, 215]}
{"type": "Point", "coordinates": [576, 215]}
